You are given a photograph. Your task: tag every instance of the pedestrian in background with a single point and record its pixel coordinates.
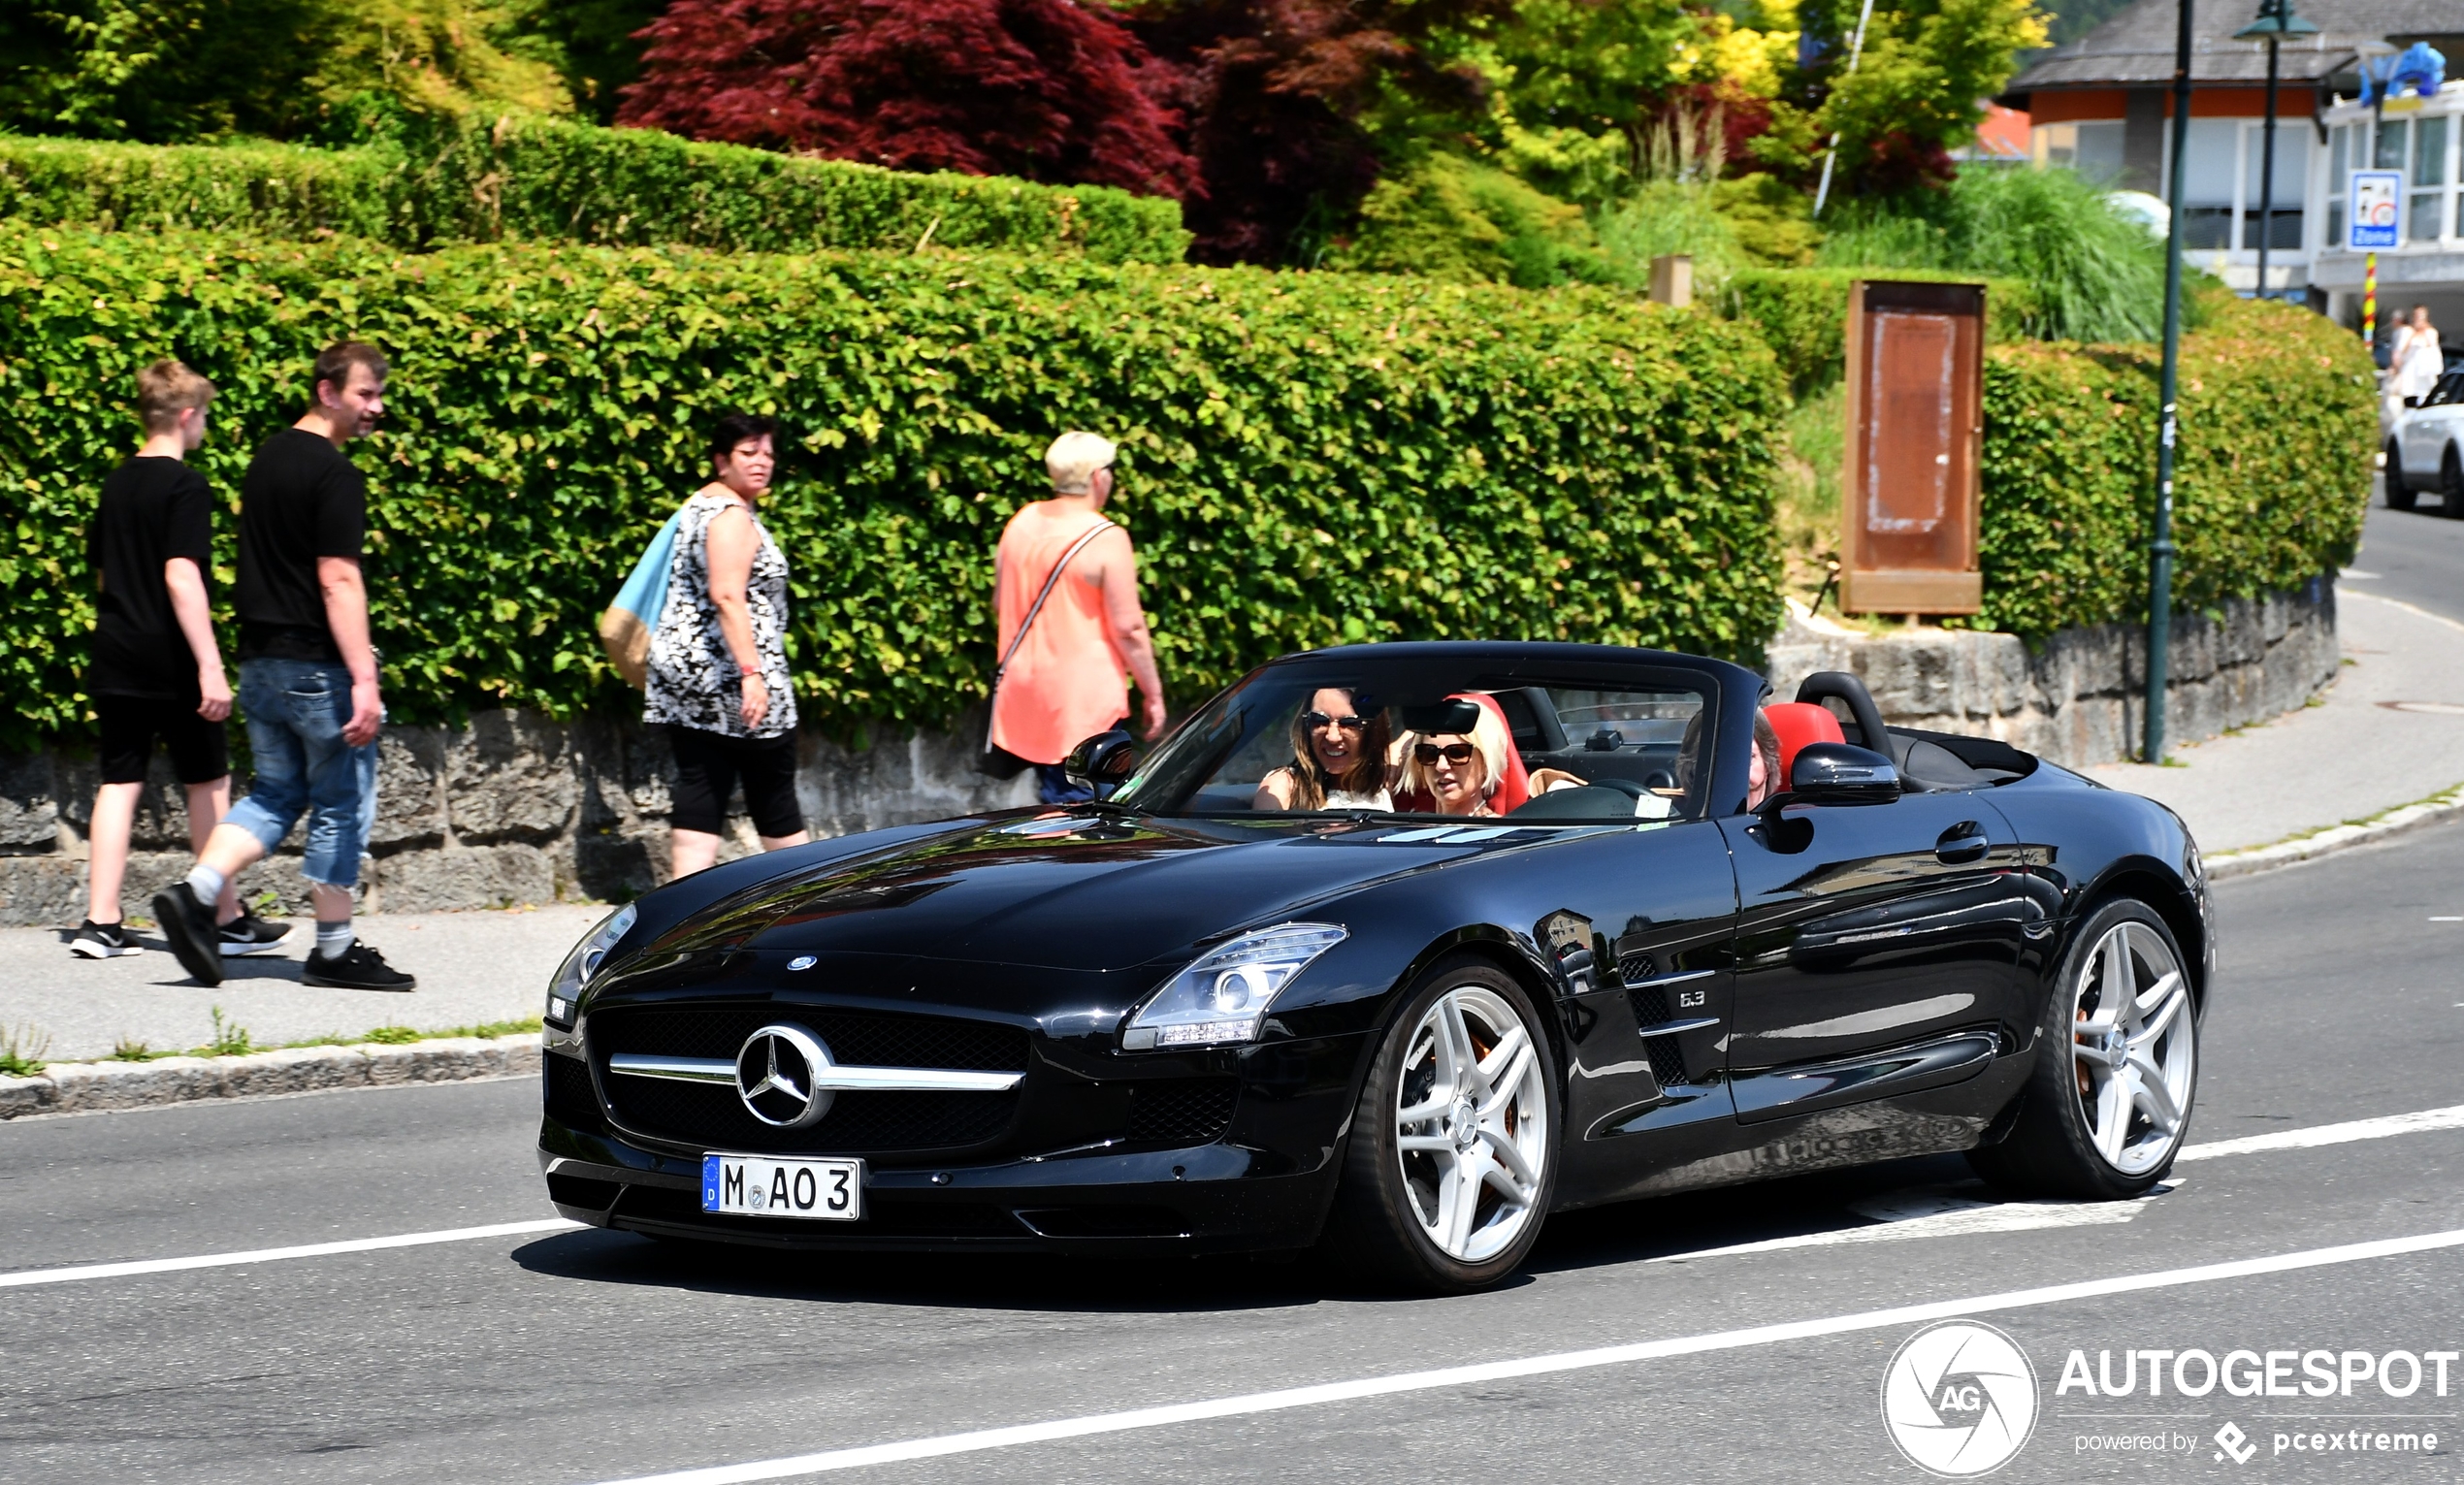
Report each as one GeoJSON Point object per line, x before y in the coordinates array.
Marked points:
{"type": "Point", "coordinates": [308, 679]}
{"type": "Point", "coordinates": [2417, 363]}
{"type": "Point", "coordinates": [157, 672]}
{"type": "Point", "coordinates": [1062, 681]}
{"type": "Point", "coordinates": [718, 677]}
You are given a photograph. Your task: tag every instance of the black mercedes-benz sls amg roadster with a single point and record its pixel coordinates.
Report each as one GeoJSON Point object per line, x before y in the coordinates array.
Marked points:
{"type": "Point", "coordinates": [1395, 949]}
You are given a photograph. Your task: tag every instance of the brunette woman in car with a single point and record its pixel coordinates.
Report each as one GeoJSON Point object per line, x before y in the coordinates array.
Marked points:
{"type": "Point", "coordinates": [1339, 758]}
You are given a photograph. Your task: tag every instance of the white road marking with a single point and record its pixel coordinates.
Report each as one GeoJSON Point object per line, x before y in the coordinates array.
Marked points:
{"type": "Point", "coordinates": [273, 1254]}
{"type": "Point", "coordinates": [2447, 919]}
{"type": "Point", "coordinates": [2449, 1117]}
{"type": "Point", "coordinates": [982, 1439]}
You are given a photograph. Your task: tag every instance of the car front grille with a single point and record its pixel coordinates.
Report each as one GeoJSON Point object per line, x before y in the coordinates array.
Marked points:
{"type": "Point", "coordinates": [1182, 1110]}
{"type": "Point", "coordinates": [710, 1117]}
{"type": "Point", "coordinates": [854, 1037]}
{"type": "Point", "coordinates": [570, 1099]}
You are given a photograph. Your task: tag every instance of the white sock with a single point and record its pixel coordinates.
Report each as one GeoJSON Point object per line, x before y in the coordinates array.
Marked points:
{"type": "Point", "coordinates": [334, 940]}
{"type": "Point", "coordinates": [206, 883]}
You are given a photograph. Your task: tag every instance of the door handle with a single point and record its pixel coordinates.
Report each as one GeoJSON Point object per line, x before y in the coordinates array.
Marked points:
{"type": "Point", "coordinates": [1963, 844]}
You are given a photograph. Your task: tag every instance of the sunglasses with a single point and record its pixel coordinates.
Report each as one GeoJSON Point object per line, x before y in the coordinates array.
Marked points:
{"type": "Point", "coordinates": [1316, 720]}
{"type": "Point", "coordinates": [1454, 753]}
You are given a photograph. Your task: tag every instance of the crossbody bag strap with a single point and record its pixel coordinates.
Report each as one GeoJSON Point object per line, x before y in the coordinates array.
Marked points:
{"type": "Point", "coordinates": [1050, 583]}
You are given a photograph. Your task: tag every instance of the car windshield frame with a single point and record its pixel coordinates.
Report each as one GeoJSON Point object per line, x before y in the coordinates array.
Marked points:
{"type": "Point", "coordinates": [1169, 779]}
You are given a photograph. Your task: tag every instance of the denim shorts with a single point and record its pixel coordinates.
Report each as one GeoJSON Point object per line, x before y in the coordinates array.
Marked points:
{"type": "Point", "coordinates": [296, 711]}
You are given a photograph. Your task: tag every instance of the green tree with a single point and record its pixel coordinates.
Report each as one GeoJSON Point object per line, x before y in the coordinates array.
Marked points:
{"type": "Point", "coordinates": [1916, 93]}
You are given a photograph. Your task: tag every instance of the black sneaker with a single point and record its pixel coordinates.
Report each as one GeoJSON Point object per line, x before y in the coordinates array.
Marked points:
{"type": "Point", "coordinates": [189, 927]}
{"type": "Point", "coordinates": [248, 933]}
{"type": "Point", "coordinates": [356, 968]}
{"type": "Point", "coordinates": [103, 941]}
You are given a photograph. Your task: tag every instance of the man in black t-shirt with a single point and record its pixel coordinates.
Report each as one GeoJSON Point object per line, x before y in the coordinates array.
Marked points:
{"type": "Point", "coordinates": [157, 673]}
{"type": "Point", "coordinates": [308, 679]}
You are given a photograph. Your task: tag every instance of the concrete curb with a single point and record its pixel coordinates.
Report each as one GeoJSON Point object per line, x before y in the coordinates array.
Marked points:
{"type": "Point", "coordinates": [81, 1087]}
{"type": "Point", "coordinates": [2335, 838]}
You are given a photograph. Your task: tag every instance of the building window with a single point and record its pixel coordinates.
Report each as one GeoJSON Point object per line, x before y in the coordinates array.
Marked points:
{"type": "Point", "coordinates": [2292, 183]}
{"type": "Point", "coordinates": [2094, 150]}
{"type": "Point", "coordinates": [2427, 207]}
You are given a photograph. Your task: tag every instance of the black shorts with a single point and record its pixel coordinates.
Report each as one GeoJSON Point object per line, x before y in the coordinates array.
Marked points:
{"type": "Point", "coordinates": [707, 767]}
{"type": "Point", "coordinates": [200, 751]}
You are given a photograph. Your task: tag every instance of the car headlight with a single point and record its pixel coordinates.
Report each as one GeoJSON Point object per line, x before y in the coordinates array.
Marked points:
{"type": "Point", "coordinates": [584, 961]}
{"type": "Point", "coordinates": [1224, 996]}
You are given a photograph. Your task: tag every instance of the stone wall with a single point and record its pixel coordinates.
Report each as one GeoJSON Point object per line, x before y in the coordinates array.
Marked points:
{"type": "Point", "coordinates": [511, 809]}
{"type": "Point", "coordinates": [2080, 700]}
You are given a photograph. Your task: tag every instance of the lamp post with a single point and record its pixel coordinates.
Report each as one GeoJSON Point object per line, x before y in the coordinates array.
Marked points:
{"type": "Point", "coordinates": [2276, 21]}
{"type": "Point", "coordinates": [2161, 549]}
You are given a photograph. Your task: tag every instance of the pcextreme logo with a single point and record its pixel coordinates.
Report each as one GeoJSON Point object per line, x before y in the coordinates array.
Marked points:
{"type": "Point", "coordinates": [1959, 1399]}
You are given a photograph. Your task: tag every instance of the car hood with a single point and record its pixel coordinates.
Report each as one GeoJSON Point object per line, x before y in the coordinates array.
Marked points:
{"type": "Point", "coordinates": [1085, 892]}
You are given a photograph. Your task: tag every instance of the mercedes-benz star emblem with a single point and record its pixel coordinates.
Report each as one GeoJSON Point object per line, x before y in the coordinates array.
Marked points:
{"type": "Point", "coordinates": [777, 1073]}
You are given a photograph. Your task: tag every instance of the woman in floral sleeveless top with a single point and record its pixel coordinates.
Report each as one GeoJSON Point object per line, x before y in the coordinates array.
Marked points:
{"type": "Point", "coordinates": [718, 678]}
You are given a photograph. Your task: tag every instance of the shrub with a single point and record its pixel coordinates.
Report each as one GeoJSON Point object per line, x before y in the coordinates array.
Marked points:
{"type": "Point", "coordinates": [1307, 459]}
{"type": "Point", "coordinates": [279, 190]}
{"type": "Point", "coordinates": [1455, 219]}
{"type": "Point", "coordinates": [2271, 479]}
{"type": "Point", "coordinates": [541, 179]}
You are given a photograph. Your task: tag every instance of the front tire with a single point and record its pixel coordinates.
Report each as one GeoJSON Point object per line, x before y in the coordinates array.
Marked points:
{"type": "Point", "coordinates": [2400, 495]}
{"type": "Point", "coordinates": [2109, 1101]}
{"type": "Point", "coordinates": [1452, 1161]}
{"type": "Point", "coordinates": [2451, 482]}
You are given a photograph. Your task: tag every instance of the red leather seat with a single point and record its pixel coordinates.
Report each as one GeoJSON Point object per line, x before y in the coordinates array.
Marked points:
{"type": "Point", "coordinates": [1799, 722]}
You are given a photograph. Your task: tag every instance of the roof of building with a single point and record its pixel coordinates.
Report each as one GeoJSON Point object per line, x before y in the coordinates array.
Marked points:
{"type": "Point", "coordinates": [2136, 47]}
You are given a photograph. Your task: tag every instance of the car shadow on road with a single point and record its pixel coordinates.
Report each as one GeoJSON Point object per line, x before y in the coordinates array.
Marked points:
{"type": "Point", "coordinates": [1033, 1283]}
{"type": "Point", "coordinates": [1673, 1226]}
{"type": "Point", "coordinates": [1600, 1237]}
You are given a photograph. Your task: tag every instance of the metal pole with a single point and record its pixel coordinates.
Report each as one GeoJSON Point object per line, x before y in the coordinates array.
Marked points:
{"type": "Point", "coordinates": [2267, 171]}
{"type": "Point", "coordinates": [1856, 49]}
{"type": "Point", "coordinates": [2160, 550]}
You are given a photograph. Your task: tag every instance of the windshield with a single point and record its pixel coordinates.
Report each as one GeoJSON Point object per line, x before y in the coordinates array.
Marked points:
{"type": "Point", "coordinates": [1422, 737]}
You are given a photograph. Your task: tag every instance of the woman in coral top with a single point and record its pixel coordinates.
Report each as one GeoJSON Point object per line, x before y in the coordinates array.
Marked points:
{"type": "Point", "coordinates": [1064, 683]}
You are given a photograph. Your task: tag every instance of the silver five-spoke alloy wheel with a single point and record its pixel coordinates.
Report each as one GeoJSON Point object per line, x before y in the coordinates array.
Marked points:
{"type": "Point", "coordinates": [1472, 1123]}
{"type": "Point", "coordinates": [2134, 1047]}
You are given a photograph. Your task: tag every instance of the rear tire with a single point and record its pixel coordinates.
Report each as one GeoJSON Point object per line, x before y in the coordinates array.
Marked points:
{"type": "Point", "coordinates": [2400, 496]}
{"type": "Point", "coordinates": [1452, 1161]}
{"type": "Point", "coordinates": [2109, 1100]}
{"type": "Point", "coordinates": [2451, 482]}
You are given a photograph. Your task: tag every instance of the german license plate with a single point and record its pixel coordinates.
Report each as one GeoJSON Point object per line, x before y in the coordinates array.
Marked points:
{"type": "Point", "coordinates": [753, 1186]}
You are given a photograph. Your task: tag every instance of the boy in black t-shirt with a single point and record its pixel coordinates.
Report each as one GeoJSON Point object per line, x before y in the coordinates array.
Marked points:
{"type": "Point", "coordinates": [157, 673]}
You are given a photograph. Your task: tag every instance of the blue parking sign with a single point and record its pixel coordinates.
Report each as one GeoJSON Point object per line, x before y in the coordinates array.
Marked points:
{"type": "Point", "coordinates": [2375, 202]}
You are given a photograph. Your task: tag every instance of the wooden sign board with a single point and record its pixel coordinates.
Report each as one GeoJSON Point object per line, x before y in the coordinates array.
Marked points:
{"type": "Point", "coordinates": [1909, 486]}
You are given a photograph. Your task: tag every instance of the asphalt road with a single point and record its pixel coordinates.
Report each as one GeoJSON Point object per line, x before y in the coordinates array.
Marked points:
{"type": "Point", "coordinates": [2416, 556]}
{"type": "Point", "coordinates": [583, 1356]}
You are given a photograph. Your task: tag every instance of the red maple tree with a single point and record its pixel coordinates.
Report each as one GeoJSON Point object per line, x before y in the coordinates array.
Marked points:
{"type": "Point", "coordinates": [1049, 90]}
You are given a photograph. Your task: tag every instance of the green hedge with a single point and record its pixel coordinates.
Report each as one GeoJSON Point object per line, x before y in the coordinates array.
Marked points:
{"type": "Point", "coordinates": [476, 179]}
{"type": "Point", "coordinates": [1307, 458]}
{"type": "Point", "coordinates": [1802, 313]}
{"type": "Point", "coordinates": [2271, 479]}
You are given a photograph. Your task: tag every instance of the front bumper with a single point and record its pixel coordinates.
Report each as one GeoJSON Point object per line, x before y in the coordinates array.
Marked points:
{"type": "Point", "coordinates": [1262, 1183]}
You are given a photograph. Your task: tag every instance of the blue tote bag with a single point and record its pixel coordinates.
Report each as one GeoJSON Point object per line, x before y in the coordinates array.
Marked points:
{"type": "Point", "coordinates": [626, 627]}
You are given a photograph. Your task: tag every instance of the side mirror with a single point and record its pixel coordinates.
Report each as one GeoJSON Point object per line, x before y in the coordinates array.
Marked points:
{"type": "Point", "coordinates": [1102, 761]}
{"type": "Point", "coordinates": [2413, 401]}
{"type": "Point", "coordinates": [1841, 773]}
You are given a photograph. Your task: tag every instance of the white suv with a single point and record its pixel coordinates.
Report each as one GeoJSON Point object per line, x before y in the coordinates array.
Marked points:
{"type": "Point", "coordinates": [2426, 449]}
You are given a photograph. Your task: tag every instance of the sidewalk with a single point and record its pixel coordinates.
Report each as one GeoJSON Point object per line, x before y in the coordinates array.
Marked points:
{"type": "Point", "coordinates": [474, 968]}
{"type": "Point", "coordinates": [2350, 756]}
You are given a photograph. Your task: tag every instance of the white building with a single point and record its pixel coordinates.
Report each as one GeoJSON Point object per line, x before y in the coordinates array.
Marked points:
{"type": "Point", "coordinates": [2103, 104]}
